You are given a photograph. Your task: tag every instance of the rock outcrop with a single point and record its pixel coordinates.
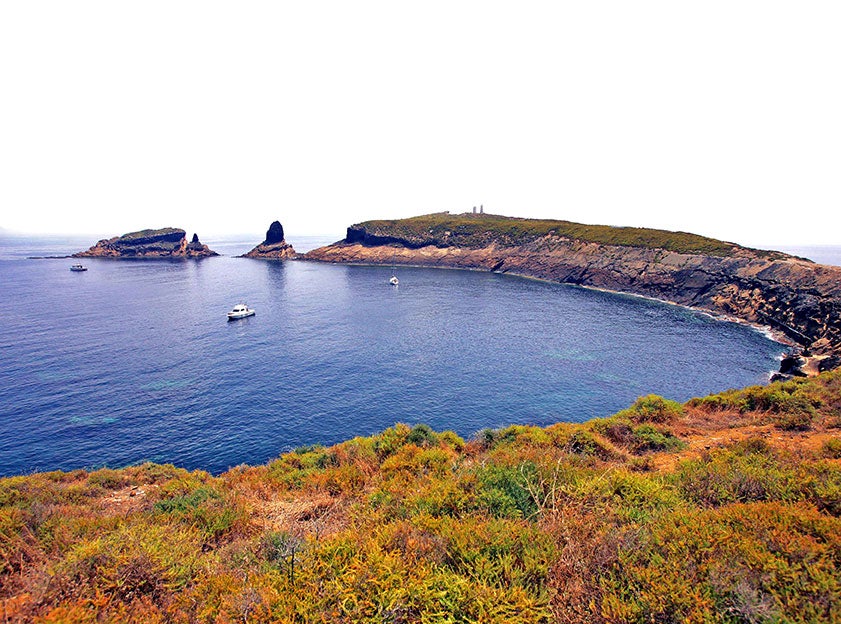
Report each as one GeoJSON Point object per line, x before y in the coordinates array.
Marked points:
{"type": "Point", "coordinates": [793, 296]}
{"type": "Point", "coordinates": [162, 243]}
{"type": "Point", "coordinates": [274, 247]}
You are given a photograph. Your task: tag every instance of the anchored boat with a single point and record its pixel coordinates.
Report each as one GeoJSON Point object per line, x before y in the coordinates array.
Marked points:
{"type": "Point", "coordinates": [240, 311]}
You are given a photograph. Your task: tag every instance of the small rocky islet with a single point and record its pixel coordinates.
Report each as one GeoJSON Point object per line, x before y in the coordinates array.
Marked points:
{"type": "Point", "coordinates": [274, 247]}
{"type": "Point", "coordinates": [171, 243]}
{"type": "Point", "coordinates": [167, 243]}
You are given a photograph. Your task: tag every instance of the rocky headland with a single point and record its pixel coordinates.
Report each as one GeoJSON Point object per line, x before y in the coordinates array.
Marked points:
{"type": "Point", "coordinates": [274, 247]}
{"type": "Point", "coordinates": [793, 296]}
{"type": "Point", "coordinates": [162, 243]}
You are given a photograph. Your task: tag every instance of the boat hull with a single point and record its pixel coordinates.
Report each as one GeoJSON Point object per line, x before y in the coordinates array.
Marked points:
{"type": "Point", "coordinates": [240, 315]}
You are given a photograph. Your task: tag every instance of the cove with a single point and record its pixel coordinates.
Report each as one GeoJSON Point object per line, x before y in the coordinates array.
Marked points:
{"type": "Point", "coordinates": [134, 361]}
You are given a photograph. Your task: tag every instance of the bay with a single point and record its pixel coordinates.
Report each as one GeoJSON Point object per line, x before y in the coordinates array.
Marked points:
{"type": "Point", "coordinates": [134, 360]}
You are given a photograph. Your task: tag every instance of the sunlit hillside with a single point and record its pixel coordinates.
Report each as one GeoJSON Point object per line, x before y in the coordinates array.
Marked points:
{"type": "Point", "coordinates": [725, 509]}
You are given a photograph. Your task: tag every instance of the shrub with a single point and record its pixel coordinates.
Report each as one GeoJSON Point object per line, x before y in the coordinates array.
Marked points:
{"type": "Point", "coordinates": [653, 409]}
{"type": "Point", "coordinates": [832, 448]}
{"type": "Point", "coordinates": [640, 439]}
{"type": "Point", "coordinates": [792, 404]}
{"type": "Point", "coordinates": [486, 438]}
{"type": "Point", "coordinates": [451, 439]}
{"type": "Point", "coordinates": [391, 439]}
{"type": "Point", "coordinates": [281, 549]}
{"type": "Point", "coordinates": [752, 445]}
{"type": "Point", "coordinates": [502, 490]}
{"type": "Point", "coordinates": [742, 560]}
{"type": "Point", "coordinates": [583, 442]}
{"type": "Point", "coordinates": [108, 479]}
{"type": "Point", "coordinates": [129, 563]}
{"type": "Point", "coordinates": [648, 438]}
{"type": "Point", "coordinates": [731, 475]}
{"type": "Point", "coordinates": [823, 487]}
{"type": "Point", "coordinates": [422, 435]}
{"type": "Point", "coordinates": [204, 508]}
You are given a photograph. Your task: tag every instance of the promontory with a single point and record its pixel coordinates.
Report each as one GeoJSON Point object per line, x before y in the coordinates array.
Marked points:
{"type": "Point", "coordinates": [274, 247]}
{"type": "Point", "coordinates": [163, 243]}
{"type": "Point", "coordinates": [794, 296]}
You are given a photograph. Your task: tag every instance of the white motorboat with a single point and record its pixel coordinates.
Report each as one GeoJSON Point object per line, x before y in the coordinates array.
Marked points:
{"type": "Point", "coordinates": [240, 311]}
{"type": "Point", "coordinates": [394, 281]}
{"type": "Point", "coordinates": [78, 267]}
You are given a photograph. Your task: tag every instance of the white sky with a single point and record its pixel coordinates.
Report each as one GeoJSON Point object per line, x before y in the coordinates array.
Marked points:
{"type": "Point", "coordinates": [717, 117]}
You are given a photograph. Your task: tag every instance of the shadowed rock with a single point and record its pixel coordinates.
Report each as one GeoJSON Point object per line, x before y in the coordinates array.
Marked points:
{"type": "Point", "coordinates": [275, 234]}
{"type": "Point", "coordinates": [161, 243]}
{"type": "Point", "coordinates": [274, 247]}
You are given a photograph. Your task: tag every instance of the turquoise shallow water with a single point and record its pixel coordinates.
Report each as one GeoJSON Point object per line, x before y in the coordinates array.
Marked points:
{"type": "Point", "coordinates": [135, 361]}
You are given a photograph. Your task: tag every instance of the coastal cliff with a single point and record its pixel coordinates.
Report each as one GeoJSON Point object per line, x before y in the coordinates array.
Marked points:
{"type": "Point", "coordinates": [274, 247]}
{"type": "Point", "coordinates": [162, 243]}
{"type": "Point", "coordinates": [792, 295]}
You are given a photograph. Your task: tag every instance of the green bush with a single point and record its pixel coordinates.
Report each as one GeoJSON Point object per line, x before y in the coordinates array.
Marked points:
{"type": "Point", "coordinates": [792, 405]}
{"type": "Point", "coordinates": [648, 438]}
{"type": "Point", "coordinates": [653, 409]}
{"type": "Point", "coordinates": [422, 435]}
{"type": "Point", "coordinates": [502, 490]}
{"type": "Point", "coordinates": [204, 508]}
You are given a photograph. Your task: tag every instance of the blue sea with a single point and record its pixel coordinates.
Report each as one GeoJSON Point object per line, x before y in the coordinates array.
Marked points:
{"type": "Point", "coordinates": [135, 360]}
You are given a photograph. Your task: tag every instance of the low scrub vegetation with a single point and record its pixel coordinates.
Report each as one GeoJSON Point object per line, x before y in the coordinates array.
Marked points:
{"type": "Point", "coordinates": [471, 230]}
{"type": "Point", "coordinates": [725, 509]}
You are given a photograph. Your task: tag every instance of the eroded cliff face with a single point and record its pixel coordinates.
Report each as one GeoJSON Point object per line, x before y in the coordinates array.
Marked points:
{"type": "Point", "coordinates": [163, 243]}
{"type": "Point", "coordinates": [274, 247]}
{"type": "Point", "coordinates": [794, 296]}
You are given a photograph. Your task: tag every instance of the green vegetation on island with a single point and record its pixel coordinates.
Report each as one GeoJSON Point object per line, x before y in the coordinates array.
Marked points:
{"type": "Point", "coordinates": [153, 233]}
{"type": "Point", "coordinates": [165, 242]}
{"type": "Point", "coordinates": [724, 509]}
{"type": "Point", "coordinates": [476, 230]}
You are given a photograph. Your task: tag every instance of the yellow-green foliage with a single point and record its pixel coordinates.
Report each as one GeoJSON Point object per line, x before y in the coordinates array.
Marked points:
{"type": "Point", "coordinates": [790, 405]}
{"type": "Point", "coordinates": [593, 522]}
{"type": "Point", "coordinates": [757, 562]}
{"type": "Point", "coordinates": [477, 230]}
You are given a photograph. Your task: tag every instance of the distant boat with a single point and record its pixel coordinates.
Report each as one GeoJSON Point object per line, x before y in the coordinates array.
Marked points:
{"type": "Point", "coordinates": [78, 267]}
{"type": "Point", "coordinates": [240, 311]}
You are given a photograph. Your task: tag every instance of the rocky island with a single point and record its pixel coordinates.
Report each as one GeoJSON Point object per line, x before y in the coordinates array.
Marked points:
{"type": "Point", "coordinates": [163, 243]}
{"type": "Point", "coordinates": [793, 296]}
{"type": "Point", "coordinates": [274, 247]}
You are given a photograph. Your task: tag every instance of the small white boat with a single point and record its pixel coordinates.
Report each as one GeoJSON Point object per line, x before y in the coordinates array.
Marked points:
{"type": "Point", "coordinates": [240, 311]}
{"type": "Point", "coordinates": [78, 267]}
{"type": "Point", "coordinates": [394, 281]}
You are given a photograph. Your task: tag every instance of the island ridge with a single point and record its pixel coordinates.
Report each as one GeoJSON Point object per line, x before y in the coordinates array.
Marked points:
{"type": "Point", "coordinates": [794, 296]}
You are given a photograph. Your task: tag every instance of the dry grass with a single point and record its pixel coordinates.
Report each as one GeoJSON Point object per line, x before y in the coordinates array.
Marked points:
{"type": "Point", "coordinates": [723, 509]}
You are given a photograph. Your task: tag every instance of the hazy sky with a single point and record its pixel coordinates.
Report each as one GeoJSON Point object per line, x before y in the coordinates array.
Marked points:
{"type": "Point", "coordinates": [717, 117]}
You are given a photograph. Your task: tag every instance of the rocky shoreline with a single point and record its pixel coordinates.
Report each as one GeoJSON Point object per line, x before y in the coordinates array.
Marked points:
{"type": "Point", "coordinates": [274, 247]}
{"type": "Point", "coordinates": [792, 296]}
{"type": "Point", "coordinates": [166, 243]}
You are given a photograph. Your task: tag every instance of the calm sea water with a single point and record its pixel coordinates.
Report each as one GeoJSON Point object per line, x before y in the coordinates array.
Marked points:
{"type": "Point", "coordinates": [135, 360]}
{"type": "Point", "coordinates": [823, 254]}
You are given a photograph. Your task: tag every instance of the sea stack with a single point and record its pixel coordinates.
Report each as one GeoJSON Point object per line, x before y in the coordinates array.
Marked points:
{"type": "Point", "coordinates": [274, 247]}
{"type": "Point", "coordinates": [164, 243]}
